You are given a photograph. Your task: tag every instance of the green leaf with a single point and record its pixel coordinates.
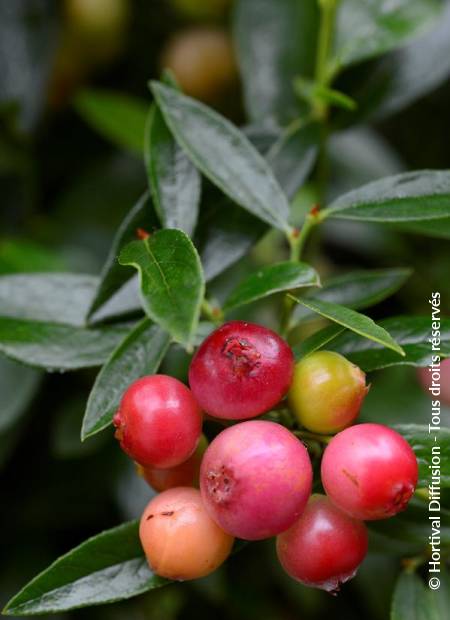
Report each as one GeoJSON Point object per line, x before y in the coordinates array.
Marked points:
{"type": "Point", "coordinates": [411, 333]}
{"type": "Point", "coordinates": [318, 340]}
{"type": "Point", "coordinates": [174, 180]}
{"type": "Point", "coordinates": [423, 443]}
{"type": "Point", "coordinates": [416, 69]}
{"type": "Point", "coordinates": [57, 347]}
{"type": "Point", "coordinates": [441, 597]}
{"type": "Point", "coordinates": [293, 155]}
{"type": "Point", "coordinates": [276, 40]}
{"type": "Point", "coordinates": [18, 385]}
{"type": "Point", "coordinates": [225, 234]}
{"type": "Point", "coordinates": [113, 276]}
{"type": "Point", "coordinates": [356, 290]}
{"type": "Point", "coordinates": [118, 117]}
{"type": "Point", "coordinates": [409, 197]}
{"type": "Point", "coordinates": [51, 297]}
{"type": "Point", "coordinates": [430, 228]}
{"type": "Point", "coordinates": [366, 29]}
{"type": "Point", "coordinates": [105, 568]}
{"type": "Point", "coordinates": [272, 279]}
{"type": "Point", "coordinates": [354, 321]}
{"type": "Point", "coordinates": [139, 354]}
{"type": "Point", "coordinates": [171, 281]}
{"type": "Point", "coordinates": [410, 600]}
{"type": "Point", "coordinates": [224, 155]}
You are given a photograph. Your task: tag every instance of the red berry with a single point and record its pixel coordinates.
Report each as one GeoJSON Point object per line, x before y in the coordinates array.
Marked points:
{"type": "Point", "coordinates": [324, 548]}
{"type": "Point", "coordinates": [369, 471]}
{"type": "Point", "coordinates": [158, 422]}
{"type": "Point", "coordinates": [255, 479]}
{"type": "Point", "coordinates": [179, 538]}
{"type": "Point", "coordinates": [241, 370]}
{"type": "Point", "coordinates": [184, 475]}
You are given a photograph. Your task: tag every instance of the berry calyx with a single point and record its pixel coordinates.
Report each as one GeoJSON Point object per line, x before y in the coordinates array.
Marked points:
{"type": "Point", "coordinates": [327, 392]}
{"type": "Point", "coordinates": [179, 538]}
{"type": "Point", "coordinates": [255, 479]}
{"type": "Point", "coordinates": [240, 371]}
{"type": "Point", "coordinates": [158, 422]}
{"type": "Point", "coordinates": [369, 471]}
{"type": "Point", "coordinates": [324, 547]}
{"type": "Point", "coordinates": [185, 474]}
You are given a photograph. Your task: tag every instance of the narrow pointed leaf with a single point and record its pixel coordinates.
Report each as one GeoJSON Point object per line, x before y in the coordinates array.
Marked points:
{"type": "Point", "coordinates": [58, 347]}
{"type": "Point", "coordinates": [174, 180]}
{"type": "Point", "coordinates": [51, 297]}
{"type": "Point", "coordinates": [275, 41]}
{"type": "Point", "coordinates": [224, 155]}
{"type": "Point", "coordinates": [411, 332]}
{"type": "Point", "coordinates": [356, 290]}
{"type": "Point", "coordinates": [352, 320]}
{"type": "Point", "coordinates": [139, 354]}
{"type": "Point", "coordinates": [171, 281]}
{"type": "Point", "coordinates": [366, 29]}
{"type": "Point", "coordinates": [272, 279]}
{"type": "Point", "coordinates": [409, 197]}
{"type": "Point", "coordinates": [318, 340]}
{"type": "Point", "coordinates": [105, 568]}
{"type": "Point", "coordinates": [113, 276]}
{"type": "Point", "coordinates": [411, 600]}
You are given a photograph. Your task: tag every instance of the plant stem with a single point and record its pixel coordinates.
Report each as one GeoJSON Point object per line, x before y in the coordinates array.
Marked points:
{"type": "Point", "coordinates": [212, 313]}
{"type": "Point", "coordinates": [326, 31]}
{"type": "Point", "coordinates": [313, 436]}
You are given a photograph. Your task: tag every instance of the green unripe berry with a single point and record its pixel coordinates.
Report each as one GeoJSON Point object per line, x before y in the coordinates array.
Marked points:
{"type": "Point", "coordinates": [327, 392]}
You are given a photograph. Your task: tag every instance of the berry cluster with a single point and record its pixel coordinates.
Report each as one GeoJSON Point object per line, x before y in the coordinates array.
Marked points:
{"type": "Point", "coordinates": [256, 476]}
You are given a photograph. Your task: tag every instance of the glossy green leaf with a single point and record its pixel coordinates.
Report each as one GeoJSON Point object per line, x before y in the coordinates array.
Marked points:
{"type": "Point", "coordinates": [416, 69]}
{"type": "Point", "coordinates": [171, 281]}
{"type": "Point", "coordinates": [366, 29]}
{"type": "Point", "coordinates": [409, 197]}
{"type": "Point", "coordinates": [430, 228]}
{"type": "Point", "coordinates": [105, 568]}
{"type": "Point", "coordinates": [356, 290]}
{"type": "Point", "coordinates": [354, 321]}
{"type": "Point", "coordinates": [411, 599]}
{"type": "Point", "coordinates": [224, 155]}
{"type": "Point", "coordinates": [272, 279]}
{"type": "Point", "coordinates": [411, 332]}
{"type": "Point", "coordinates": [57, 347]}
{"type": "Point", "coordinates": [118, 117]}
{"type": "Point", "coordinates": [113, 276]}
{"type": "Point", "coordinates": [424, 442]}
{"type": "Point", "coordinates": [51, 297]}
{"type": "Point", "coordinates": [318, 340]}
{"type": "Point", "coordinates": [18, 385]}
{"type": "Point", "coordinates": [174, 180]}
{"type": "Point", "coordinates": [225, 234]}
{"type": "Point", "coordinates": [276, 40]}
{"type": "Point", "coordinates": [139, 354]}
{"type": "Point", "coordinates": [293, 155]}
{"type": "Point", "coordinates": [441, 597]}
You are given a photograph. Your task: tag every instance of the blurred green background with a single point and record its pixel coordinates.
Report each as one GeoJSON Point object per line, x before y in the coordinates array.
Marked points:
{"type": "Point", "coordinates": [64, 189]}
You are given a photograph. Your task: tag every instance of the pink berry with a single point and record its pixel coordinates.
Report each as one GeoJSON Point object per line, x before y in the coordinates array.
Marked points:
{"type": "Point", "coordinates": [324, 548]}
{"type": "Point", "coordinates": [436, 381]}
{"type": "Point", "coordinates": [158, 422]}
{"type": "Point", "coordinates": [241, 370]}
{"type": "Point", "coordinates": [255, 479]}
{"type": "Point", "coordinates": [369, 471]}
